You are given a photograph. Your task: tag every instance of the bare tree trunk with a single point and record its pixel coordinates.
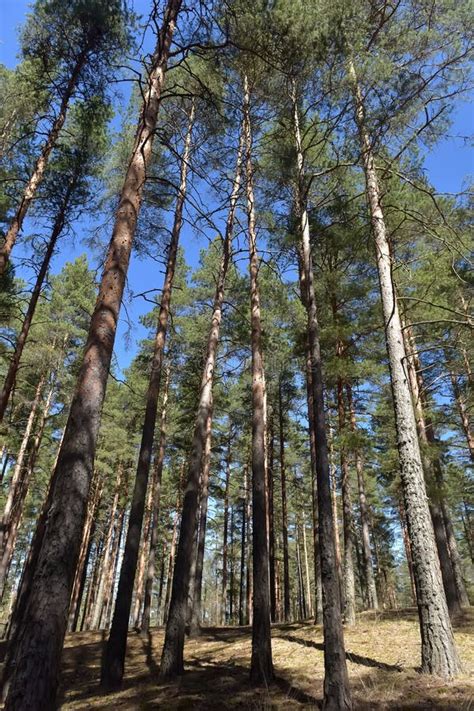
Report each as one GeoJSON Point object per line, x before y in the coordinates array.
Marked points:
{"type": "Point", "coordinates": [108, 561]}
{"type": "Point", "coordinates": [15, 483]}
{"type": "Point", "coordinates": [242, 558]}
{"type": "Point", "coordinates": [109, 597]}
{"type": "Point", "coordinates": [438, 650]}
{"type": "Point", "coordinates": [372, 600]}
{"type": "Point", "coordinates": [169, 577]}
{"type": "Point", "coordinates": [40, 166]}
{"type": "Point", "coordinates": [10, 377]}
{"type": "Point", "coordinates": [463, 414]}
{"type": "Point", "coordinates": [433, 478]}
{"type": "Point", "coordinates": [261, 670]}
{"type": "Point", "coordinates": [349, 580]}
{"type": "Point", "coordinates": [21, 492]}
{"type": "Point", "coordinates": [407, 544]}
{"type": "Point", "coordinates": [195, 622]}
{"type": "Point", "coordinates": [284, 510]}
{"type": "Point", "coordinates": [44, 624]}
{"type": "Point", "coordinates": [225, 537]}
{"type": "Point", "coordinates": [337, 694]}
{"type": "Point", "coordinates": [114, 658]}
{"type": "Point", "coordinates": [271, 521]}
{"type": "Point", "coordinates": [172, 655]}
{"type": "Point", "coordinates": [156, 483]}
{"type": "Point", "coordinates": [142, 562]}
{"type": "Point", "coordinates": [84, 553]}
{"type": "Point", "coordinates": [249, 582]}
{"type": "Point", "coordinates": [306, 565]}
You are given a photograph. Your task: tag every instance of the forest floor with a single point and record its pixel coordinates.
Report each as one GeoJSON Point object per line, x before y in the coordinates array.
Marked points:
{"type": "Point", "coordinates": [383, 652]}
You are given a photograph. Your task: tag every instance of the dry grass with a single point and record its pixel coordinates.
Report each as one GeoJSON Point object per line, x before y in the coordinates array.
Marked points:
{"type": "Point", "coordinates": [383, 654]}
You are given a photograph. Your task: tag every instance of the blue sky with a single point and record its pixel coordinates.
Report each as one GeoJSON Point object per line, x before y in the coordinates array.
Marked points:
{"type": "Point", "coordinates": [447, 166]}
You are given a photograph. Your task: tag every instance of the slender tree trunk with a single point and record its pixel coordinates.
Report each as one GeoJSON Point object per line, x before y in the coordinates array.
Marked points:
{"type": "Point", "coordinates": [349, 580]}
{"type": "Point", "coordinates": [142, 562]}
{"type": "Point", "coordinates": [225, 537]}
{"type": "Point", "coordinates": [172, 655]}
{"type": "Point", "coordinates": [84, 554]}
{"type": "Point", "coordinates": [21, 492]}
{"type": "Point", "coordinates": [337, 694]}
{"type": "Point", "coordinates": [157, 474]}
{"type": "Point", "coordinates": [433, 479]}
{"type": "Point", "coordinates": [299, 571]}
{"type": "Point", "coordinates": [463, 414]}
{"type": "Point", "coordinates": [407, 544]}
{"type": "Point", "coordinates": [15, 483]}
{"type": "Point", "coordinates": [10, 377]}
{"type": "Point", "coordinates": [109, 598]}
{"type": "Point", "coordinates": [94, 585]}
{"type": "Point", "coordinates": [195, 622]}
{"type": "Point", "coordinates": [261, 670]}
{"type": "Point", "coordinates": [284, 510]}
{"type": "Point", "coordinates": [306, 566]}
{"type": "Point", "coordinates": [271, 522]}
{"type": "Point", "coordinates": [161, 583]}
{"type": "Point", "coordinates": [242, 561]}
{"type": "Point", "coordinates": [232, 576]}
{"type": "Point", "coordinates": [40, 166]}
{"type": "Point", "coordinates": [114, 658]}
{"type": "Point", "coordinates": [369, 577]}
{"type": "Point", "coordinates": [314, 489]}
{"type": "Point", "coordinates": [169, 577]}
{"type": "Point", "coordinates": [249, 582]}
{"type": "Point", "coordinates": [44, 624]}
{"type": "Point", "coordinates": [438, 650]}
{"type": "Point", "coordinates": [108, 562]}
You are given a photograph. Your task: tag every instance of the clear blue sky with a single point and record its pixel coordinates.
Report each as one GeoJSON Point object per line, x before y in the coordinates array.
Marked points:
{"type": "Point", "coordinates": [447, 166]}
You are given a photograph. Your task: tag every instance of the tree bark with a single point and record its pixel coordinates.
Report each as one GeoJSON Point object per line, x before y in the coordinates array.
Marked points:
{"type": "Point", "coordinates": [242, 559]}
{"type": "Point", "coordinates": [261, 670]}
{"type": "Point", "coordinates": [195, 622]}
{"type": "Point", "coordinates": [157, 475]}
{"type": "Point", "coordinates": [271, 521]}
{"type": "Point", "coordinates": [372, 601]}
{"type": "Point", "coordinates": [433, 474]}
{"type": "Point", "coordinates": [15, 483]}
{"type": "Point", "coordinates": [172, 655]}
{"type": "Point", "coordinates": [225, 536]}
{"type": "Point", "coordinates": [114, 658]}
{"type": "Point", "coordinates": [12, 371]}
{"type": "Point", "coordinates": [108, 561]}
{"type": "Point", "coordinates": [40, 166]}
{"type": "Point", "coordinates": [284, 509]}
{"type": "Point", "coordinates": [21, 492]}
{"type": "Point", "coordinates": [337, 694]}
{"type": "Point", "coordinates": [348, 522]}
{"type": "Point", "coordinates": [438, 650]}
{"type": "Point", "coordinates": [142, 561]}
{"type": "Point", "coordinates": [44, 624]}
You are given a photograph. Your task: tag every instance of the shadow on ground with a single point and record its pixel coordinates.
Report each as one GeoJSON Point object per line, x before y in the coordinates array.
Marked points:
{"type": "Point", "coordinates": [382, 656]}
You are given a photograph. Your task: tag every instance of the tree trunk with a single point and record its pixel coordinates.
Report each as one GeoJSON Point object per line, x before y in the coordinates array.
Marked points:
{"type": "Point", "coordinates": [142, 562]}
{"type": "Point", "coordinates": [249, 582]}
{"type": "Point", "coordinates": [169, 577]}
{"type": "Point", "coordinates": [114, 658]}
{"type": "Point", "coordinates": [438, 650]}
{"type": "Point", "coordinates": [271, 522]}
{"type": "Point", "coordinates": [433, 478]}
{"type": "Point", "coordinates": [337, 694]}
{"type": "Point", "coordinates": [109, 598]}
{"type": "Point", "coordinates": [40, 166]}
{"type": "Point", "coordinates": [407, 544]}
{"type": "Point", "coordinates": [195, 622]}
{"type": "Point", "coordinates": [242, 559]}
{"type": "Point", "coordinates": [306, 566]}
{"type": "Point", "coordinates": [261, 670]}
{"type": "Point", "coordinates": [463, 414]}
{"type": "Point", "coordinates": [172, 655]}
{"type": "Point", "coordinates": [15, 483]}
{"type": "Point", "coordinates": [44, 624]}
{"type": "Point", "coordinates": [284, 510]}
{"type": "Point", "coordinates": [372, 601]}
{"type": "Point", "coordinates": [156, 483]}
{"type": "Point", "coordinates": [348, 523]}
{"type": "Point", "coordinates": [108, 562]}
{"type": "Point", "coordinates": [10, 377]}
{"type": "Point", "coordinates": [20, 495]}
{"type": "Point", "coordinates": [225, 537]}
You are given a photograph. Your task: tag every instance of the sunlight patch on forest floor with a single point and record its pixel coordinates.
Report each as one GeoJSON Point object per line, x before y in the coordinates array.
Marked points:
{"type": "Point", "coordinates": [383, 653]}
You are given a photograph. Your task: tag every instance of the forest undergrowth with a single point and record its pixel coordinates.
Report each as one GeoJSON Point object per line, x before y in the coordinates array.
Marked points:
{"type": "Point", "coordinates": [382, 651]}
